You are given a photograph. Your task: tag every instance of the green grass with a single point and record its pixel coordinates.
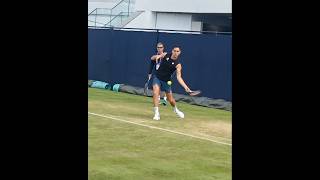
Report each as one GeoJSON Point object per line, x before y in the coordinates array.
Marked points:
{"type": "Point", "coordinates": [119, 150]}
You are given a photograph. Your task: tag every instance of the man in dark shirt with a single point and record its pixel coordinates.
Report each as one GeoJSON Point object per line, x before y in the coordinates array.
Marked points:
{"type": "Point", "coordinates": [168, 64]}
{"type": "Point", "coordinates": [152, 68]}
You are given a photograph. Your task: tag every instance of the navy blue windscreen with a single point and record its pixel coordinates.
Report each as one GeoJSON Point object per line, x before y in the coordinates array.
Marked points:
{"type": "Point", "coordinates": [117, 56]}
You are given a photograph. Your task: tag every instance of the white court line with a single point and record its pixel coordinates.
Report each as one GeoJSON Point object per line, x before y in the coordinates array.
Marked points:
{"type": "Point", "coordinates": [227, 139]}
{"type": "Point", "coordinates": [153, 127]}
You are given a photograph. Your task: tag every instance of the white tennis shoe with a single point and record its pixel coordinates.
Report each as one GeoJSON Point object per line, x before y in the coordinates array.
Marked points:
{"type": "Point", "coordinates": [156, 117]}
{"type": "Point", "coordinates": [179, 113]}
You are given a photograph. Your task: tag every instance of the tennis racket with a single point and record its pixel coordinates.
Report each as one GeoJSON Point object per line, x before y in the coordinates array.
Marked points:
{"type": "Point", "coordinates": [194, 93]}
{"type": "Point", "coordinates": [146, 87]}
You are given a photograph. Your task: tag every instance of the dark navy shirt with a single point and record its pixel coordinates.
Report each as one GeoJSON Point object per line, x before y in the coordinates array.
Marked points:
{"type": "Point", "coordinates": [167, 68]}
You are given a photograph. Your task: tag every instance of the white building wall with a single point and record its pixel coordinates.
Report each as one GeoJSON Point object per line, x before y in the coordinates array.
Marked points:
{"type": "Point", "coordinates": [169, 14]}
{"type": "Point", "coordinates": [190, 6]}
{"type": "Point", "coordinates": [196, 26]}
{"type": "Point", "coordinates": [168, 21]}
{"type": "Point", "coordinates": [174, 21]}
{"type": "Point", "coordinates": [145, 20]}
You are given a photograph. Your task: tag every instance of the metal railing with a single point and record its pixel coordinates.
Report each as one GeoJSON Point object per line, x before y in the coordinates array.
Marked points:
{"type": "Point", "coordinates": [163, 30]}
{"type": "Point", "coordinates": [117, 20]}
{"type": "Point", "coordinates": [109, 16]}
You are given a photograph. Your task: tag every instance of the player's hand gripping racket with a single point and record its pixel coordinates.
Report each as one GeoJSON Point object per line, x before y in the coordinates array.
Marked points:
{"type": "Point", "coordinates": [194, 93]}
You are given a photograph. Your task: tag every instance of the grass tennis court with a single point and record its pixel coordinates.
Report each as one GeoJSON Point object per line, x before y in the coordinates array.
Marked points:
{"type": "Point", "coordinates": [119, 149]}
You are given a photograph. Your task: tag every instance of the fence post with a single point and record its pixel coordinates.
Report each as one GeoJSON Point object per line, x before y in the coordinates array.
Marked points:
{"type": "Point", "coordinates": [95, 18]}
{"type": "Point", "coordinates": [157, 36]}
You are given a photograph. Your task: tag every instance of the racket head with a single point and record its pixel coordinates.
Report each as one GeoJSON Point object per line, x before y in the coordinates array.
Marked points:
{"type": "Point", "coordinates": [194, 93]}
{"type": "Point", "coordinates": [145, 88]}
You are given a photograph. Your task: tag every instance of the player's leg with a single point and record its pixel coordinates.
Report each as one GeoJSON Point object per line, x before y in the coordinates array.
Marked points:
{"type": "Point", "coordinates": [174, 105]}
{"type": "Point", "coordinates": [171, 100]}
{"type": "Point", "coordinates": [162, 98]}
{"type": "Point", "coordinates": [156, 91]}
{"type": "Point", "coordinates": [165, 97]}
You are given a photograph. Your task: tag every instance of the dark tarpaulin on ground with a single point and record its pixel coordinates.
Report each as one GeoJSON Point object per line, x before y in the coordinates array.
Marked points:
{"type": "Point", "coordinates": [200, 101]}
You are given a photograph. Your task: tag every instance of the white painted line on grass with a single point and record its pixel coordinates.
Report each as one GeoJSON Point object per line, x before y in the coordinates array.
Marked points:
{"type": "Point", "coordinates": [227, 139]}
{"type": "Point", "coordinates": [162, 129]}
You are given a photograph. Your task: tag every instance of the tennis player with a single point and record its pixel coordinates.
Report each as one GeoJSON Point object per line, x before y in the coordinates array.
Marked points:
{"type": "Point", "coordinates": [168, 64]}
{"type": "Point", "coordinates": [152, 68]}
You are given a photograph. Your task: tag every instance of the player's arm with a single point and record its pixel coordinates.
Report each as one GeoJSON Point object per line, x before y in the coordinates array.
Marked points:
{"type": "Point", "coordinates": [157, 57]}
{"type": "Point", "coordinates": [180, 80]}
